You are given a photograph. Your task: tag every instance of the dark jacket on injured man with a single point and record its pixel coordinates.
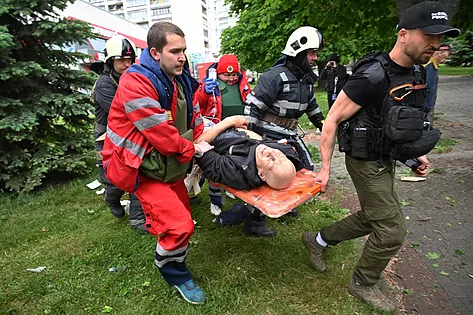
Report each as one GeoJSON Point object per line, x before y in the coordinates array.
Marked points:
{"type": "Point", "coordinates": [233, 163]}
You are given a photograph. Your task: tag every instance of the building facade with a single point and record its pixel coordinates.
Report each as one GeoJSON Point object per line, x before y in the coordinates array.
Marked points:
{"type": "Point", "coordinates": [190, 15]}
{"type": "Point", "coordinates": [105, 25]}
{"type": "Point", "coordinates": [220, 19]}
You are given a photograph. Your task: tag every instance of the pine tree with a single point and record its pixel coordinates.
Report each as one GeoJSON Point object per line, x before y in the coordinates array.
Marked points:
{"type": "Point", "coordinates": [45, 116]}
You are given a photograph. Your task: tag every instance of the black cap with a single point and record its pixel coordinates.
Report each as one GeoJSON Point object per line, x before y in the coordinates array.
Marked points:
{"type": "Point", "coordinates": [333, 57]}
{"type": "Point", "coordinates": [430, 17]}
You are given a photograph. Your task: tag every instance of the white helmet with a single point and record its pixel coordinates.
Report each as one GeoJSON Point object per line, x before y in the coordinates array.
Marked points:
{"type": "Point", "coordinates": [118, 47]}
{"type": "Point", "coordinates": [304, 38]}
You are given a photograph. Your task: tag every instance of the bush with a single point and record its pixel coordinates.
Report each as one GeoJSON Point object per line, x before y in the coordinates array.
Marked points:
{"type": "Point", "coordinates": [45, 121]}
{"type": "Point", "coordinates": [464, 47]}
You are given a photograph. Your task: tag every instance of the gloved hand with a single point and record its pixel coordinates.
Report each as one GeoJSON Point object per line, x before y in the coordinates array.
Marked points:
{"type": "Point", "coordinates": [211, 86]}
{"type": "Point", "coordinates": [201, 148]}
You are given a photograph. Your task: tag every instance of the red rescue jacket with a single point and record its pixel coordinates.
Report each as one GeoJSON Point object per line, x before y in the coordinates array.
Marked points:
{"type": "Point", "coordinates": [142, 118]}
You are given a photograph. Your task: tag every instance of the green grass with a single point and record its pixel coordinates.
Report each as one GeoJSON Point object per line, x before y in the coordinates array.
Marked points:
{"type": "Point", "coordinates": [445, 145]}
{"type": "Point", "coordinates": [68, 229]}
{"type": "Point", "coordinates": [321, 97]}
{"type": "Point", "coordinates": [448, 70]}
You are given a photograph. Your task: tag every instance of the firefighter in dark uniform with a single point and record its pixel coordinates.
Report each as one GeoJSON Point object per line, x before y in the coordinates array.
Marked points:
{"type": "Point", "coordinates": [120, 54]}
{"type": "Point", "coordinates": [379, 116]}
{"type": "Point", "coordinates": [286, 91]}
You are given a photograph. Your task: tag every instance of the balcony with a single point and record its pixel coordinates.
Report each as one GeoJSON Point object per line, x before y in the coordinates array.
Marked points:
{"type": "Point", "coordinates": [135, 3]}
{"type": "Point", "coordinates": [114, 2]}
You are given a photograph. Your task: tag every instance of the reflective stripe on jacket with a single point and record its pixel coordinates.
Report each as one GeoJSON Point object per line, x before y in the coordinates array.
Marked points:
{"type": "Point", "coordinates": [141, 118]}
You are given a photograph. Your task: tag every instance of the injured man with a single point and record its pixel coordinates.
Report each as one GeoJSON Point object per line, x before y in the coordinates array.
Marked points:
{"type": "Point", "coordinates": [242, 162]}
{"type": "Point", "coordinates": [232, 158]}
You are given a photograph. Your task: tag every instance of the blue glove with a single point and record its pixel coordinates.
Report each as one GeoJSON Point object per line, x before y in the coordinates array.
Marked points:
{"type": "Point", "coordinates": [211, 86]}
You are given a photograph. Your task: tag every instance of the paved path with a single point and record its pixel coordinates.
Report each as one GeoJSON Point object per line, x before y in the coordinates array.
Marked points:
{"type": "Point", "coordinates": [440, 214]}
{"type": "Point", "coordinates": [439, 210]}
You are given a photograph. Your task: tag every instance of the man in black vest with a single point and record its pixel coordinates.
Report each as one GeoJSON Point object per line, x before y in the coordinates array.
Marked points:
{"type": "Point", "coordinates": [335, 75]}
{"type": "Point", "coordinates": [363, 103]}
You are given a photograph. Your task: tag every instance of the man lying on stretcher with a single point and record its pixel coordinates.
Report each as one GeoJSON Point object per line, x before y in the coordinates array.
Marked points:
{"type": "Point", "coordinates": [241, 162]}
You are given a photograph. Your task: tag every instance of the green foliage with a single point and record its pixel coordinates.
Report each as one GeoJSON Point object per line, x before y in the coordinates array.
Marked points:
{"type": "Point", "coordinates": [445, 145]}
{"type": "Point", "coordinates": [351, 28]}
{"type": "Point", "coordinates": [45, 124]}
{"type": "Point", "coordinates": [464, 46]}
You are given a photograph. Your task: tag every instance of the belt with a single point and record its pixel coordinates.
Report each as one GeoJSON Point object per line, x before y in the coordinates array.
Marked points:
{"type": "Point", "coordinates": [289, 123]}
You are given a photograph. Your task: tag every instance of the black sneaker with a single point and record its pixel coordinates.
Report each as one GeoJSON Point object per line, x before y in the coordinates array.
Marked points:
{"type": "Point", "coordinates": [117, 211]}
{"type": "Point", "coordinates": [259, 231]}
{"type": "Point", "coordinates": [141, 228]}
{"type": "Point", "coordinates": [292, 214]}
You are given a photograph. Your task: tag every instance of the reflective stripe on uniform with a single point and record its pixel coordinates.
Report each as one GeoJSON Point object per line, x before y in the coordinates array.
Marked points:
{"type": "Point", "coordinates": [289, 105]}
{"type": "Point", "coordinates": [313, 112]}
{"type": "Point", "coordinates": [151, 121]}
{"type": "Point", "coordinates": [282, 112]}
{"type": "Point", "coordinates": [138, 103]}
{"type": "Point", "coordinates": [120, 142]}
{"type": "Point", "coordinates": [198, 121]}
{"type": "Point", "coordinates": [246, 110]}
{"type": "Point", "coordinates": [251, 99]}
{"type": "Point", "coordinates": [283, 76]}
{"type": "Point", "coordinates": [251, 119]}
{"type": "Point", "coordinates": [197, 108]}
{"type": "Point", "coordinates": [163, 256]}
{"type": "Point", "coordinates": [286, 88]}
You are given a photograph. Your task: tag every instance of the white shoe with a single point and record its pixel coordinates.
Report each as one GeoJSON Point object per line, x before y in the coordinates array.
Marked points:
{"type": "Point", "coordinates": [230, 195]}
{"type": "Point", "coordinates": [126, 204]}
{"type": "Point", "coordinates": [215, 210]}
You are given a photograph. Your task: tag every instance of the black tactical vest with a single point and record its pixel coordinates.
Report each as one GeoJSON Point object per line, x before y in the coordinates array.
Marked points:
{"type": "Point", "coordinates": [397, 129]}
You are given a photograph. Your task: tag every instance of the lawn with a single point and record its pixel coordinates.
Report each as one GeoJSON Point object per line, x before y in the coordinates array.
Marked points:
{"type": "Point", "coordinates": [68, 229]}
{"type": "Point", "coordinates": [447, 70]}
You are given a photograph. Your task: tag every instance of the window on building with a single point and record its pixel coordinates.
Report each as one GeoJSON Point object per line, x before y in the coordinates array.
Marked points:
{"type": "Point", "coordinates": [206, 33]}
{"type": "Point", "coordinates": [132, 3]}
{"type": "Point", "coordinates": [204, 10]}
{"type": "Point", "coordinates": [97, 44]}
{"type": "Point", "coordinates": [139, 14]}
{"type": "Point", "coordinates": [161, 11]}
{"type": "Point", "coordinates": [115, 7]}
{"type": "Point", "coordinates": [206, 44]}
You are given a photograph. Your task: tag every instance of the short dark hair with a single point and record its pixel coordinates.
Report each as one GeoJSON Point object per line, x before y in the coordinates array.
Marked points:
{"type": "Point", "coordinates": [157, 34]}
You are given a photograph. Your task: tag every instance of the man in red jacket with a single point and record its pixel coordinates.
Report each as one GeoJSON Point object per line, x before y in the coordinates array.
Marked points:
{"type": "Point", "coordinates": [149, 146]}
{"type": "Point", "coordinates": [220, 98]}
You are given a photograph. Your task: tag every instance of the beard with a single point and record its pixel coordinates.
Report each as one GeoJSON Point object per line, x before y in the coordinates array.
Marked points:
{"type": "Point", "coordinates": [418, 57]}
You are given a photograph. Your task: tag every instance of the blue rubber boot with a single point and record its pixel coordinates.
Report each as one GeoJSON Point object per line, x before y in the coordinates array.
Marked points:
{"type": "Point", "coordinates": [191, 292]}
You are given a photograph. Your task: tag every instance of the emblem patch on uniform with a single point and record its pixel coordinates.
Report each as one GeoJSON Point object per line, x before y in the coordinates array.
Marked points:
{"type": "Point", "coordinates": [169, 115]}
{"type": "Point", "coordinates": [230, 69]}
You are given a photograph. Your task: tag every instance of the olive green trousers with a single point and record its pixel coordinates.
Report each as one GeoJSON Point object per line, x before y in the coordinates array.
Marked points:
{"type": "Point", "coordinates": [380, 217]}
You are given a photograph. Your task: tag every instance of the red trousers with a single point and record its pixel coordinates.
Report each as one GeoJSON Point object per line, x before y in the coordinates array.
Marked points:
{"type": "Point", "coordinates": [167, 212]}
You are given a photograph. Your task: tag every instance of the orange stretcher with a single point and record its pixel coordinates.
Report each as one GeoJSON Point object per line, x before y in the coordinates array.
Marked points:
{"type": "Point", "coordinates": [275, 203]}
